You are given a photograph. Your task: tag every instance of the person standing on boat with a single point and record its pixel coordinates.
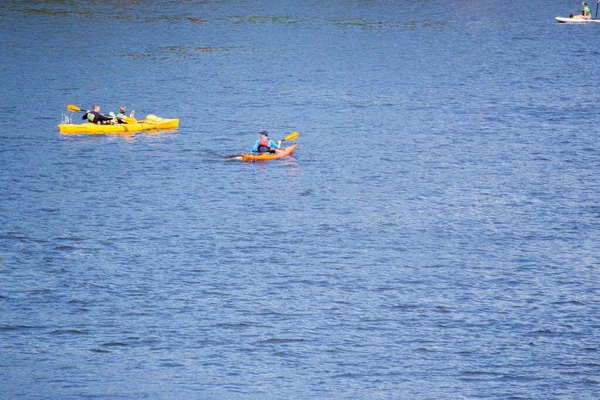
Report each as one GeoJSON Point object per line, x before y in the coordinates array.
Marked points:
{"type": "Point", "coordinates": [95, 117]}
{"type": "Point", "coordinates": [121, 115]}
{"type": "Point", "coordinates": [265, 145]}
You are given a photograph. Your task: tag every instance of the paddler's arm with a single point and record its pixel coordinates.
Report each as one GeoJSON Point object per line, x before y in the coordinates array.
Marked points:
{"type": "Point", "coordinates": [274, 145]}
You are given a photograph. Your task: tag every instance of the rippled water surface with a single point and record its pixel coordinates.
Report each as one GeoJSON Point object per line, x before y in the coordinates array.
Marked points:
{"type": "Point", "coordinates": [436, 234]}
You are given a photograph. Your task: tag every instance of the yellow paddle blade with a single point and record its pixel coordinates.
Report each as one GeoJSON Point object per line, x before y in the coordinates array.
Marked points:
{"type": "Point", "coordinates": [291, 136]}
{"type": "Point", "coordinates": [73, 108]}
{"type": "Point", "coordinates": [129, 120]}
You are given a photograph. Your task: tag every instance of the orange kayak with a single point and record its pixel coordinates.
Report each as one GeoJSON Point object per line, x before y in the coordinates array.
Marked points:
{"type": "Point", "coordinates": [288, 151]}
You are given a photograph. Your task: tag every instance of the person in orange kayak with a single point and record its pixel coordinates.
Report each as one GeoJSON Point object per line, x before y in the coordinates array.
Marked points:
{"type": "Point", "coordinates": [95, 117]}
{"type": "Point", "coordinates": [265, 145]}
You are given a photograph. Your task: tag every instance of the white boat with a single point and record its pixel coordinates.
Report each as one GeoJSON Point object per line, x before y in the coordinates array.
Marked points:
{"type": "Point", "coordinates": [568, 20]}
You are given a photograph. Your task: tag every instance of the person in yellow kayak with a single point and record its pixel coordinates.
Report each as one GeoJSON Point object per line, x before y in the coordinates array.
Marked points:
{"type": "Point", "coordinates": [265, 145]}
{"type": "Point", "coordinates": [95, 117]}
{"type": "Point", "coordinates": [121, 115]}
{"type": "Point", "coordinates": [585, 11]}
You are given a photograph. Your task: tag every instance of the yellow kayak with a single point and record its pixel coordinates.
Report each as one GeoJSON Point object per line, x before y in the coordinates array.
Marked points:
{"type": "Point", "coordinates": [150, 123]}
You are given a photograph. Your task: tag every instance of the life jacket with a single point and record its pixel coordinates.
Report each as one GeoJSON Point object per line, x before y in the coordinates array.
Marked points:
{"type": "Point", "coordinates": [264, 141]}
{"type": "Point", "coordinates": [95, 118]}
{"type": "Point", "coordinates": [120, 117]}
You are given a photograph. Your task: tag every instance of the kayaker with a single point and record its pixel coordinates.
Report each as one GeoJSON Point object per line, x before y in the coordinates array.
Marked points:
{"type": "Point", "coordinates": [121, 115]}
{"type": "Point", "coordinates": [95, 117]}
{"type": "Point", "coordinates": [265, 145]}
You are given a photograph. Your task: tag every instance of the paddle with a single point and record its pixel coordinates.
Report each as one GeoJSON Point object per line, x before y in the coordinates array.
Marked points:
{"type": "Point", "coordinates": [596, 17]}
{"type": "Point", "coordinates": [291, 136]}
{"type": "Point", "coordinates": [74, 108]}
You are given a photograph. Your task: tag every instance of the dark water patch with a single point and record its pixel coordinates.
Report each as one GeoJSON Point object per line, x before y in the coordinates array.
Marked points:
{"type": "Point", "coordinates": [171, 364]}
{"type": "Point", "coordinates": [14, 235]}
{"type": "Point", "coordinates": [197, 20]}
{"type": "Point", "coordinates": [19, 327]}
{"type": "Point", "coordinates": [148, 341]}
{"type": "Point", "coordinates": [114, 344]}
{"type": "Point", "coordinates": [70, 238]}
{"type": "Point", "coordinates": [442, 310]}
{"type": "Point", "coordinates": [69, 332]}
{"type": "Point", "coordinates": [289, 281]}
{"type": "Point", "coordinates": [185, 52]}
{"type": "Point", "coordinates": [137, 313]}
{"type": "Point", "coordinates": [587, 365]}
{"type": "Point", "coordinates": [42, 292]}
{"type": "Point", "coordinates": [542, 332]}
{"type": "Point", "coordinates": [54, 12]}
{"type": "Point", "coordinates": [276, 314]}
{"type": "Point", "coordinates": [569, 303]}
{"type": "Point", "coordinates": [280, 341]}
{"type": "Point", "coordinates": [347, 375]}
{"type": "Point", "coordinates": [519, 378]}
{"type": "Point", "coordinates": [198, 271]}
{"type": "Point", "coordinates": [234, 326]}
{"type": "Point", "coordinates": [324, 22]}
{"type": "Point", "coordinates": [480, 374]}
{"type": "Point", "coordinates": [170, 19]}
{"type": "Point", "coordinates": [64, 248]}
{"type": "Point", "coordinates": [265, 19]}
{"type": "Point", "coordinates": [99, 351]}
{"type": "Point", "coordinates": [424, 350]}
{"type": "Point", "coordinates": [209, 342]}
{"type": "Point", "coordinates": [78, 301]}
{"type": "Point", "coordinates": [406, 307]}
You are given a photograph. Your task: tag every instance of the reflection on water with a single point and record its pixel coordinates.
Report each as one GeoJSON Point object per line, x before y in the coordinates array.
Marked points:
{"type": "Point", "coordinates": [183, 52]}
{"type": "Point", "coordinates": [153, 12]}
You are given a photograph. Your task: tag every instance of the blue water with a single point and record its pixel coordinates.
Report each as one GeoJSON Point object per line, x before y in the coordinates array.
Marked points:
{"type": "Point", "coordinates": [435, 236]}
